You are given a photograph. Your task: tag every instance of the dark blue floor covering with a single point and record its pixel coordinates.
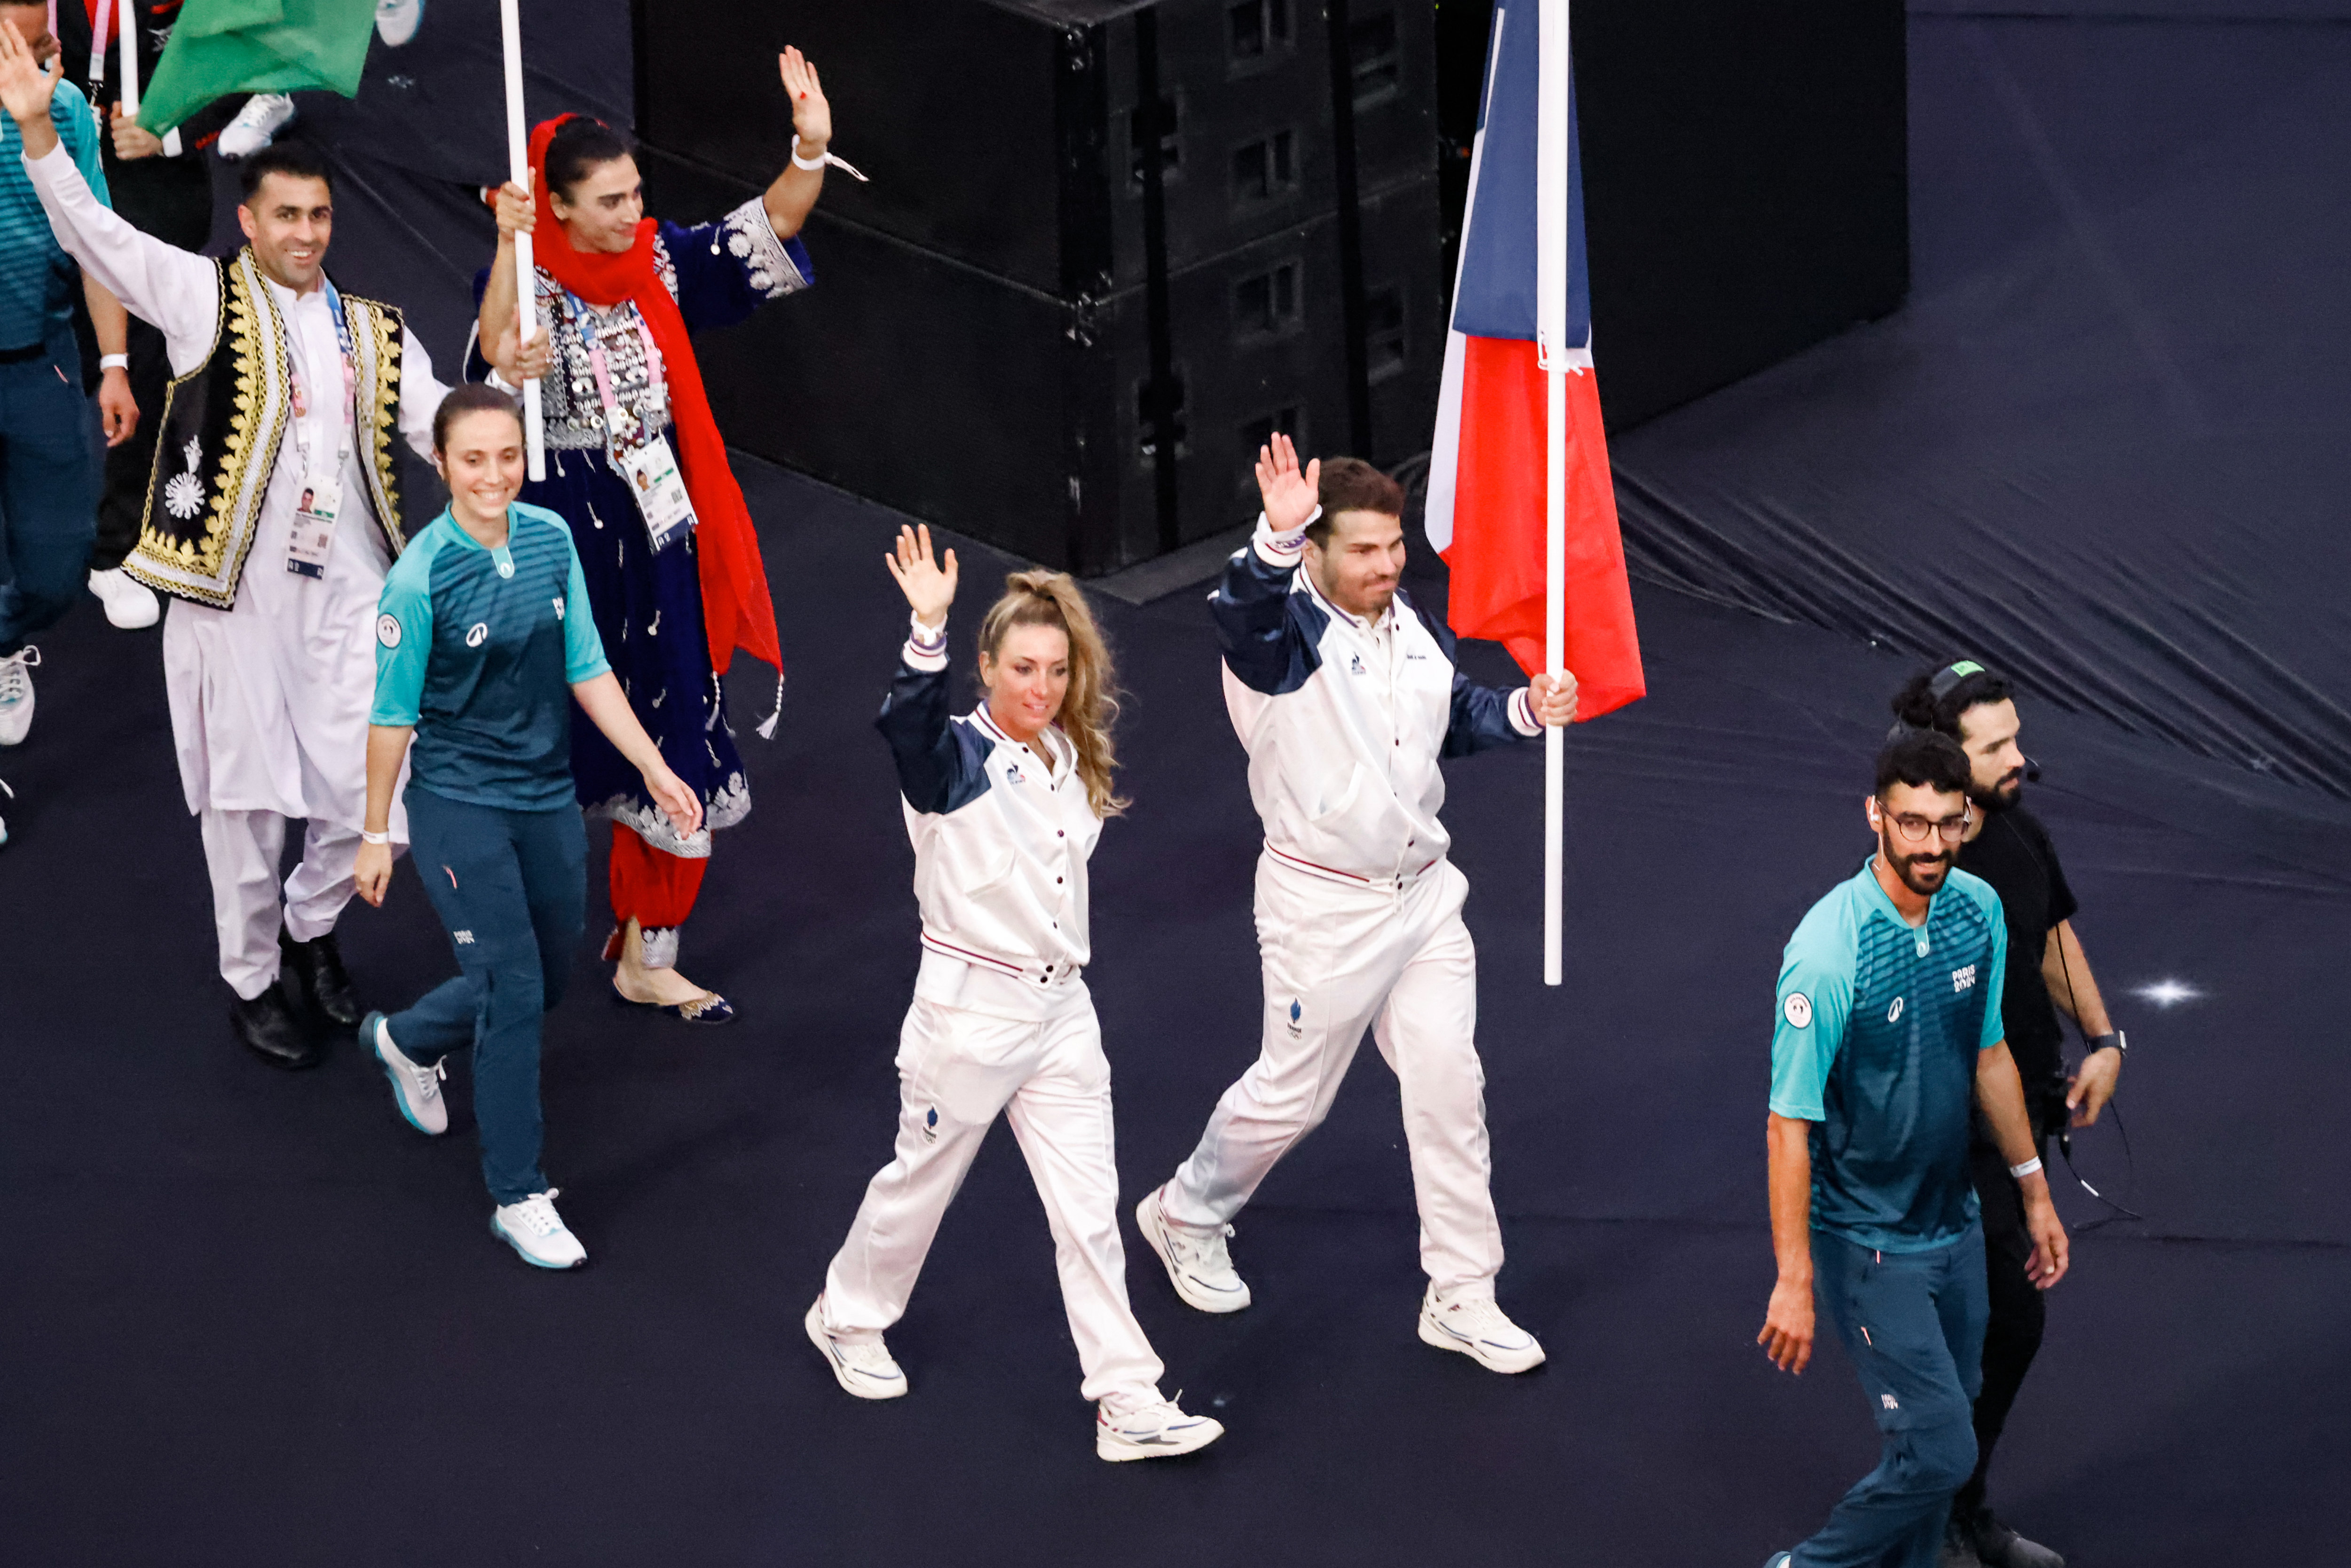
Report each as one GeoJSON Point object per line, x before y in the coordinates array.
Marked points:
{"type": "Point", "coordinates": [251, 1318]}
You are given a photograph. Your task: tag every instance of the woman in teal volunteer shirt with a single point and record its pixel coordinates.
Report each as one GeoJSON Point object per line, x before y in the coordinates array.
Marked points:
{"type": "Point", "coordinates": [484, 640]}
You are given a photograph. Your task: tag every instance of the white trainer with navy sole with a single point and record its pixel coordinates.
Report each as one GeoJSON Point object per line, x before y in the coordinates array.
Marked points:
{"type": "Point", "coordinates": [861, 1366]}
{"type": "Point", "coordinates": [1159, 1430]}
{"type": "Point", "coordinates": [416, 1090]}
{"type": "Point", "coordinates": [535, 1230]}
{"type": "Point", "coordinates": [1199, 1265]}
{"type": "Point", "coordinates": [1479, 1329]}
{"type": "Point", "coordinates": [256, 125]}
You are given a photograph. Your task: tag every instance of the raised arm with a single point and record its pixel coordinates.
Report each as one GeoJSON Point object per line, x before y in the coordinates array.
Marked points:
{"type": "Point", "coordinates": [936, 770]}
{"type": "Point", "coordinates": [793, 195]}
{"type": "Point", "coordinates": [1264, 646]}
{"type": "Point", "coordinates": [173, 289]}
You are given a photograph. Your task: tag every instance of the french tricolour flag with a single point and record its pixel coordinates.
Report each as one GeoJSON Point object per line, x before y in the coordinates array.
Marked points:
{"type": "Point", "coordinates": [1523, 307]}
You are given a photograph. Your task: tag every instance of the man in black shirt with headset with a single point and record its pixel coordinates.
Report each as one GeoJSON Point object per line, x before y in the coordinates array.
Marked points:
{"type": "Point", "coordinates": [2007, 846]}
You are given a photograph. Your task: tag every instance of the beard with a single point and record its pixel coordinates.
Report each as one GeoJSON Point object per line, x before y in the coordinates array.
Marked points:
{"type": "Point", "coordinates": [2003, 796]}
{"type": "Point", "coordinates": [1923, 873]}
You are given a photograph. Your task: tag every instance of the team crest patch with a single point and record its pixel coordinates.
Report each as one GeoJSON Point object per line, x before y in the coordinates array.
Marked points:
{"type": "Point", "coordinates": [1356, 663]}
{"type": "Point", "coordinates": [1297, 1012]}
{"type": "Point", "coordinates": [387, 630]}
{"type": "Point", "coordinates": [1797, 1009]}
{"type": "Point", "coordinates": [931, 1125]}
{"type": "Point", "coordinates": [1012, 773]}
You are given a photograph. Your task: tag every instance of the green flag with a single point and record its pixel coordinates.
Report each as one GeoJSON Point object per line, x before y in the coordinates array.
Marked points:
{"type": "Point", "coordinates": [221, 46]}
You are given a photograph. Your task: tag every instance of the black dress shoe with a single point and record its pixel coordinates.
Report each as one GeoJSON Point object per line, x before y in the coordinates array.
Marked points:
{"type": "Point", "coordinates": [314, 972]}
{"type": "Point", "coordinates": [1998, 1546]}
{"type": "Point", "coordinates": [273, 1031]}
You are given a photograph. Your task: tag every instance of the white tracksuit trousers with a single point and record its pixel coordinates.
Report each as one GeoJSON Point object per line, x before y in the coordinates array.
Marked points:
{"type": "Point", "coordinates": [1337, 959]}
{"type": "Point", "coordinates": [241, 852]}
{"type": "Point", "coordinates": [958, 1069]}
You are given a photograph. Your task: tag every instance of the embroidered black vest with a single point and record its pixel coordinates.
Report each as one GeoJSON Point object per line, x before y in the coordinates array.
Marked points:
{"type": "Point", "coordinates": [222, 425]}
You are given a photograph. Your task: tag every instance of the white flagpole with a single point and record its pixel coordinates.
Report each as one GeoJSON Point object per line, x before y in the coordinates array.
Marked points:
{"type": "Point", "coordinates": [519, 163]}
{"type": "Point", "coordinates": [127, 26]}
{"type": "Point", "coordinates": [1550, 327]}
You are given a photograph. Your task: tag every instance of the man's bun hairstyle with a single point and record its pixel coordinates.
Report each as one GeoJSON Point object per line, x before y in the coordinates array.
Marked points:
{"type": "Point", "coordinates": [1919, 705]}
{"type": "Point", "coordinates": [578, 147]}
{"type": "Point", "coordinates": [1352, 485]}
{"type": "Point", "coordinates": [292, 157]}
{"type": "Point", "coordinates": [1924, 758]}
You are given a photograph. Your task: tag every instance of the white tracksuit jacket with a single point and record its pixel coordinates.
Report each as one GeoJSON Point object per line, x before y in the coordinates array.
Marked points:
{"type": "Point", "coordinates": [1345, 723]}
{"type": "Point", "coordinates": [1000, 849]}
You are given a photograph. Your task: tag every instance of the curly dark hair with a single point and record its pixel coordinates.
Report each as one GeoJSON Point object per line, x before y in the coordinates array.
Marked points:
{"type": "Point", "coordinates": [1917, 705]}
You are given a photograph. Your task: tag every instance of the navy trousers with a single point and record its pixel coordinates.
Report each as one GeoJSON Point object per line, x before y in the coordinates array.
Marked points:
{"type": "Point", "coordinates": [512, 888]}
{"type": "Point", "coordinates": [47, 489]}
{"type": "Point", "coordinates": [1913, 1325]}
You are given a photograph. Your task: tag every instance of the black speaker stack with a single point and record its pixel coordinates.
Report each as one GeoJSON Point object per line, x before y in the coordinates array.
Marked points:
{"type": "Point", "coordinates": [1107, 247]}
{"type": "Point", "coordinates": [1109, 244]}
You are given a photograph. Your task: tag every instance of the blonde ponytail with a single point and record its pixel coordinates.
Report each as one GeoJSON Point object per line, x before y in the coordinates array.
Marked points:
{"type": "Point", "coordinates": [1052, 599]}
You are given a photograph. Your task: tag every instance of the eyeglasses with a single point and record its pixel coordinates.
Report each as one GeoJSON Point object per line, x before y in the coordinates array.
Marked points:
{"type": "Point", "coordinates": [1917, 828]}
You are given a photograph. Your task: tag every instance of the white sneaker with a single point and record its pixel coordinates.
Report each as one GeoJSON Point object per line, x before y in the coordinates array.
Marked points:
{"type": "Point", "coordinates": [416, 1090]}
{"type": "Point", "coordinates": [862, 1367]}
{"type": "Point", "coordinates": [1198, 1266]}
{"type": "Point", "coordinates": [1158, 1430]}
{"type": "Point", "coordinates": [4, 821]}
{"type": "Point", "coordinates": [533, 1228]}
{"type": "Point", "coordinates": [256, 125]}
{"type": "Point", "coordinates": [396, 20]}
{"type": "Point", "coordinates": [16, 694]}
{"type": "Point", "coordinates": [1477, 1327]}
{"type": "Point", "coordinates": [130, 603]}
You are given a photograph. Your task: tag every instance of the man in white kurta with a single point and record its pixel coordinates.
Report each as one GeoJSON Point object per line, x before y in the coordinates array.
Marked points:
{"type": "Point", "coordinates": [269, 698]}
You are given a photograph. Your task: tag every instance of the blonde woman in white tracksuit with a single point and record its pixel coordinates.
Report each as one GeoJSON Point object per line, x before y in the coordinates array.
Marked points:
{"type": "Point", "coordinates": [1004, 806]}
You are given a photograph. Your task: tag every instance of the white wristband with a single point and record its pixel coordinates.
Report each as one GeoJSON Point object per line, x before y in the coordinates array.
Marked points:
{"type": "Point", "coordinates": [368, 838]}
{"type": "Point", "coordinates": [114, 361]}
{"type": "Point", "coordinates": [2026, 1169]}
{"type": "Point", "coordinates": [821, 159]}
{"type": "Point", "coordinates": [929, 639]}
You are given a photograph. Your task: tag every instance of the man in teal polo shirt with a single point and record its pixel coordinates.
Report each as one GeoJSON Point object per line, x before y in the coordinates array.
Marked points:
{"type": "Point", "coordinates": [48, 475]}
{"type": "Point", "coordinates": [1889, 1021]}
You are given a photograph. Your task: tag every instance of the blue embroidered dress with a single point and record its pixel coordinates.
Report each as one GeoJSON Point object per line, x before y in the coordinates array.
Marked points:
{"type": "Point", "coordinates": [648, 604]}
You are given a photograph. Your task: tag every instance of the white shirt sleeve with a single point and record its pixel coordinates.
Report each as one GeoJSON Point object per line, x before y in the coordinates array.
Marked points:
{"type": "Point", "coordinates": [175, 290]}
{"type": "Point", "coordinates": [421, 392]}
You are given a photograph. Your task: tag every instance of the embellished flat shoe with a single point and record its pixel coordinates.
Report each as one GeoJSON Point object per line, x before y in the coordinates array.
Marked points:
{"type": "Point", "coordinates": [708, 1007]}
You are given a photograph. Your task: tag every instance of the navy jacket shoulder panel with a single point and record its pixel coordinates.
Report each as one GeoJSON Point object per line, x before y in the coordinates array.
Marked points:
{"type": "Point", "coordinates": [942, 765]}
{"type": "Point", "coordinates": [1271, 636]}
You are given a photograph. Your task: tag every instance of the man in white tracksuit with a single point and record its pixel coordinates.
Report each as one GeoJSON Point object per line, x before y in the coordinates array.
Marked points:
{"type": "Point", "coordinates": [1346, 696]}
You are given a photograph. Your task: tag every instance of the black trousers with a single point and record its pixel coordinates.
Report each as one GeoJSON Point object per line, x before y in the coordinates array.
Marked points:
{"type": "Point", "coordinates": [2013, 1337]}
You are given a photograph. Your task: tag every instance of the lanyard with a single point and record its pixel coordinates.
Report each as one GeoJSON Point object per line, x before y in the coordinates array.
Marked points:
{"type": "Point", "coordinates": [348, 353]}
{"type": "Point", "coordinates": [591, 336]}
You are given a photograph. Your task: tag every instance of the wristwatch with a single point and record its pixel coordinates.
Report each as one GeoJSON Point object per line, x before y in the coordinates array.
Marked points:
{"type": "Point", "coordinates": [2101, 1042]}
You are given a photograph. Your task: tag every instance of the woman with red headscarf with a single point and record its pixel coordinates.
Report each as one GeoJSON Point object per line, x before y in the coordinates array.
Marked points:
{"type": "Point", "coordinates": [636, 467]}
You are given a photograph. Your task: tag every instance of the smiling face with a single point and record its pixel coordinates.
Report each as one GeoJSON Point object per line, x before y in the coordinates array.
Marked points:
{"type": "Point", "coordinates": [1918, 830]}
{"type": "Point", "coordinates": [1026, 680]}
{"type": "Point", "coordinates": [603, 207]}
{"type": "Point", "coordinates": [1359, 566]}
{"type": "Point", "coordinates": [482, 460]}
{"type": "Point", "coordinates": [289, 218]}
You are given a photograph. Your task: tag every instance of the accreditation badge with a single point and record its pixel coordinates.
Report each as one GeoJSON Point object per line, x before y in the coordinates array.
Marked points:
{"type": "Point", "coordinates": [652, 473]}
{"type": "Point", "coordinates": [313, 525]}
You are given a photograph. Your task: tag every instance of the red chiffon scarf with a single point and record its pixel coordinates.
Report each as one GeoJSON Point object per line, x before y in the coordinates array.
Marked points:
{"type": "Point", "coordinates": [736, 609]}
